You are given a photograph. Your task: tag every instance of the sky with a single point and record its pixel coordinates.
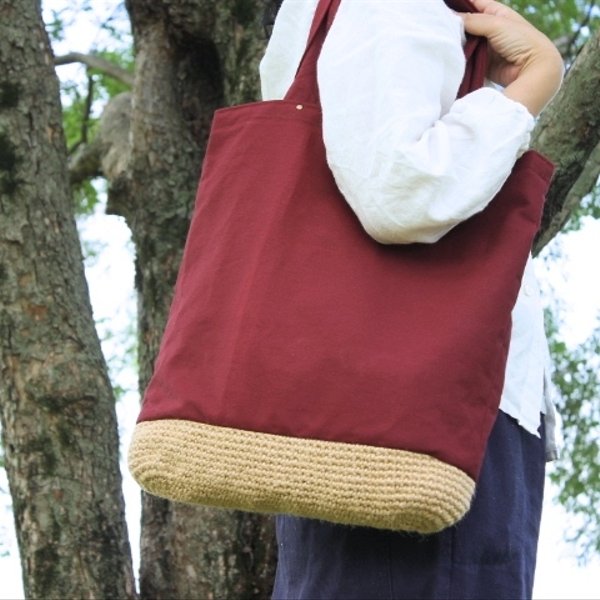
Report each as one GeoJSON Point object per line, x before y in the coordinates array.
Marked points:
{"type": "Point", "coordinates": [110, 277]}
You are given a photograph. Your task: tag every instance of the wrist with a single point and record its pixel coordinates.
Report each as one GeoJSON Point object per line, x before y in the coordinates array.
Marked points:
{"type": "Point", "coordinates": [538, 82]}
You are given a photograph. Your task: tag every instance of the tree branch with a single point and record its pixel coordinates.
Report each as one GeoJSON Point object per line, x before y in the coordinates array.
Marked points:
{"type": "Point", "coordinates": [572, 41]}
{"type": "Point", "coordinates": [89, 101]}
{"type": "Point", "coordinates": [568, 132]}
{"type": "Point", "coordinates": [84, 163]}
{"type": "Point", "coordinates": [108, 153]}
{"type": "Point", "coordinates": [96, 62]}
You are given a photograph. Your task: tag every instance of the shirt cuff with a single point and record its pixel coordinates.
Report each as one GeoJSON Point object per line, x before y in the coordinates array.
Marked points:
{"type": "Point", "coordinates": [505, 117]}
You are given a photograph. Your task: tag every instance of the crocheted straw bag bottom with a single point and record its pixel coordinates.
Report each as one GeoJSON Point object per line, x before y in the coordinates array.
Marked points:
{"type": "Point", "coordinates": [334, 481]}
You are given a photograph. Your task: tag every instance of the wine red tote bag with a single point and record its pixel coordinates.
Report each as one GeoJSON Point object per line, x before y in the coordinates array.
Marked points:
{"type": "Point", "coordinates": [308, 369]}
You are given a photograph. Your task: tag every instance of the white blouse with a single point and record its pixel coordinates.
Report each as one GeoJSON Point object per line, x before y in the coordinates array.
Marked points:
{"type": "Point", "coordinates": [410, 159]}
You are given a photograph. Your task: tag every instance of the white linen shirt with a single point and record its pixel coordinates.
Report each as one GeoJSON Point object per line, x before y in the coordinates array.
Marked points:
{"type": "Point", "coordinates": [410, 159]}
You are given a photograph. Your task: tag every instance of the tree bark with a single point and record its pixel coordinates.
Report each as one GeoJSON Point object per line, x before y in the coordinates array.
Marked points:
{"type": "Point", "coordinates": [56, 404]}
{"type": "Point", "coordinates": [183, 51]}
{"type": "Point", "coordinates": [568, 132]}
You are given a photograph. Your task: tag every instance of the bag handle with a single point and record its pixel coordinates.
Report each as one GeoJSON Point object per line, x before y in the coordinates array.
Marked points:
{"type": "Point", "coordinates": [305, 88]}
{"type": "Point", "coordinates": [476, 53]}
{"type": "Point", "coordinates": [324, 15]}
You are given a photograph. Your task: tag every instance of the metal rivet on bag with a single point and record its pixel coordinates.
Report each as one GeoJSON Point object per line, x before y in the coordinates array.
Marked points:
{"type": "Point", "coordinates": [299, 107]}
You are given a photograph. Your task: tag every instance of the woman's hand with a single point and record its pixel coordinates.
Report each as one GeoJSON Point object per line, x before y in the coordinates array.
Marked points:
{"type": "Point", "coordinates": [522, 59]}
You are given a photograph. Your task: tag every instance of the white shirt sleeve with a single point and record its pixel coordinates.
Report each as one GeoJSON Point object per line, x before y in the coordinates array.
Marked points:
{"type": "Point", "coordinates": [411, 161]}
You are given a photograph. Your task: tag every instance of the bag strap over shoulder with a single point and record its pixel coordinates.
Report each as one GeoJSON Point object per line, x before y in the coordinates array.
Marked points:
{"type": "Point", "coordinates": [461, 5]}
{"type": "Point", "coordinates": [476, 53]}
{"type": "Point", "coordinates": [304, 88]}
{"type": "Point", "coordinates": [324, 15]}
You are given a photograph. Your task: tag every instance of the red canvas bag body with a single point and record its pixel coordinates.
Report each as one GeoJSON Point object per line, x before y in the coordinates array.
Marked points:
{"type": "Point", "coordinates": [292, 328]}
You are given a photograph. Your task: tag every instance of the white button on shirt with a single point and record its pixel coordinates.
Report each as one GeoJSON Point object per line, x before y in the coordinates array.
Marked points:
{"type": "Point", "coordinates": [410, 159]}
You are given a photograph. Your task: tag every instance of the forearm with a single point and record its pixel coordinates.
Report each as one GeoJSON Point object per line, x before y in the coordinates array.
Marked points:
{"type": "Point", "coordinates": [411, 161]}
{"type": "Point", "coordinates": [406, 191]}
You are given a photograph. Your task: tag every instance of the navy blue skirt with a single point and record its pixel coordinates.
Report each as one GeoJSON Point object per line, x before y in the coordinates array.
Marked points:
{"type": "Point", "coordinates": [490, 554]}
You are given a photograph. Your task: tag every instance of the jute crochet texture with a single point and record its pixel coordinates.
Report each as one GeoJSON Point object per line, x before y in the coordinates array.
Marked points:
{"type": "Point", "coordinates": [345, 483]}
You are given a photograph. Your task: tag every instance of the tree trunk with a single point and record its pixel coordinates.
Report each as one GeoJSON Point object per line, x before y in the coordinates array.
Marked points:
{"type": "Point", "coordinates": [183, 50]}
{"type": "Point", "coordinates": [56, 404]}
